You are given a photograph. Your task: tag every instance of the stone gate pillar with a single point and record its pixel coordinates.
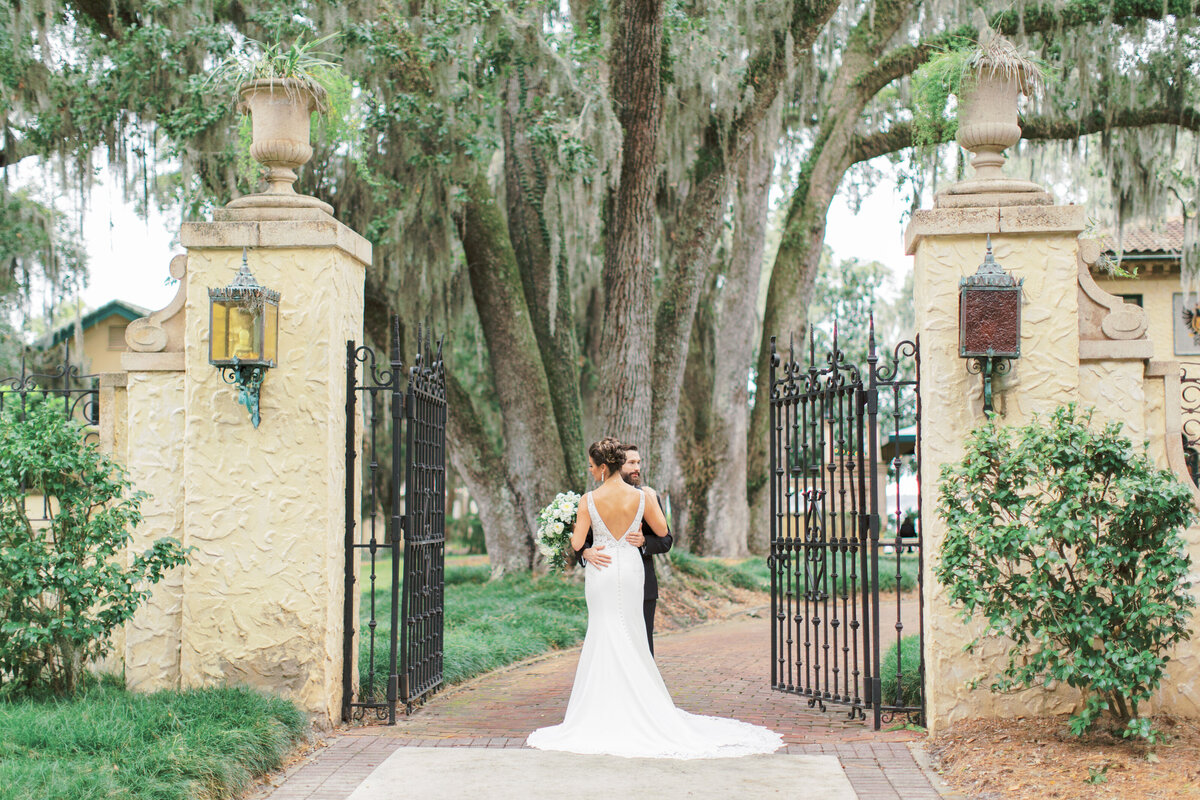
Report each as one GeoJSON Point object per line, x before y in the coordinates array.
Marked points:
{"type": "Point", "coordinates": [260, 602]}
{"type": "Point", "coordinates": [263, 508]}
{"type": "Point", "coordinates": [1037, 243]}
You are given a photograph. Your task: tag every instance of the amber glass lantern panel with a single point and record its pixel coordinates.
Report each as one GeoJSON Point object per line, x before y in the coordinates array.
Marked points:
{"type": "Point", "coordinates": [245, 334]}
{"type": "Point", "coordinates": [271, 334]}
{"type": "Point", "coordinates": [218, 337]}
{"type": "Point", "coordinates": [240, 335]}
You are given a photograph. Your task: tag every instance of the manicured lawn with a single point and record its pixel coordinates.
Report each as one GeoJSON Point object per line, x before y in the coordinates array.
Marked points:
{"type": "Point", "coordinates": [110, 744]}
{"type": "Point", "coordinates": [909, 564]}
{"type": "Point", "coordinates": [488, 624]}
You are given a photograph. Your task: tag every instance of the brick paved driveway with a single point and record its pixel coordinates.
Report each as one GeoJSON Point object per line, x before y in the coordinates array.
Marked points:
{"type": "Point", "coordinates": [720, 669]}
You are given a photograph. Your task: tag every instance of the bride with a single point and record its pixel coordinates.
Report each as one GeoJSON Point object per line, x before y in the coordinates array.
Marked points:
{"type": "Point", "coordinates": [619, 704]}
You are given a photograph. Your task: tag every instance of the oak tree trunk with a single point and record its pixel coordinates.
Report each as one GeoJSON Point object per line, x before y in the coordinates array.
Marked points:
{"type": "Point", "coordinates": [533, 463]}
{"type": "Point", "coordinates": [728, 531]}
{"type": "Point", "coordinates": [481, 468]}
{"type": "Point", "coordinates": [544, 279]}
{"type": "Point", "coordinates": [627, 333]}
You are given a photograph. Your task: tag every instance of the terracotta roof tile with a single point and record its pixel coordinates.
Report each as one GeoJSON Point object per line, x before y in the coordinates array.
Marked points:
{"type": "Point", "coordinates": [1166, 238]}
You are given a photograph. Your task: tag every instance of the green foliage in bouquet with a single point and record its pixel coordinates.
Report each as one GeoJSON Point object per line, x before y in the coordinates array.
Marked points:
{"type": "Point", "coordinates": [66, 583]}
{"type": "Point", "coordinates": [1067, 540]}
{"type": "Point", "coordinates": [554, 525]}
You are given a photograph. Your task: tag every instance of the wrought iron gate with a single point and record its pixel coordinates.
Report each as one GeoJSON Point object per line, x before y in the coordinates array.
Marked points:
{"type": "Point", "coordinates": [842, 589]}
{"type": "Point", "coordinates": [73, 395]}
{"type": "Point", "coordinates": [404, 449]}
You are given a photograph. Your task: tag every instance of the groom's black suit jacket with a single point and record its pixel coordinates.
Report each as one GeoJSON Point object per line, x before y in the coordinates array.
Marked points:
{"type": "Point", "coordinates": [654, 545]}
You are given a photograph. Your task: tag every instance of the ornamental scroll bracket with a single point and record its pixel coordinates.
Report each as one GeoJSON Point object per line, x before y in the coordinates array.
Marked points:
{"type": "Point", "coordinates": [1109, 327]}
{"type": "Point", "coordinates": [152, 339]}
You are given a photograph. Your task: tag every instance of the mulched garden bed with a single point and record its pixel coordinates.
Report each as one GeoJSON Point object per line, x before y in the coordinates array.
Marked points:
{"type": "Point", "coordinates": [1037, 757]}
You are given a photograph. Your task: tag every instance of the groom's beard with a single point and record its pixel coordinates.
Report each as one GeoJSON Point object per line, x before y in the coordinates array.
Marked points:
{"type": "Point", "coordinates": [632, 480]}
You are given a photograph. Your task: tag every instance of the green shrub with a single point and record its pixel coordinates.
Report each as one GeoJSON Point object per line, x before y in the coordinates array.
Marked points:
{"type": "Point", "coordinates": [908, 649]}
{"type": "Point", "coordinates": [1068, 541]}
{"type": "Point", "coordinates": [65, 583]}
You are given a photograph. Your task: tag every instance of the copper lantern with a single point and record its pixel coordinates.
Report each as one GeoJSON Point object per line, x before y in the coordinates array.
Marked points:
{"type": "Point", "coordinates": [989, 321]}
{"type": "Point", "coordinates": [244, 334]}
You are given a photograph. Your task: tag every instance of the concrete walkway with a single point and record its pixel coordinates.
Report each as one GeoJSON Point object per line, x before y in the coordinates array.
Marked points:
{"type": "Point", "coordinates": [469, 740]}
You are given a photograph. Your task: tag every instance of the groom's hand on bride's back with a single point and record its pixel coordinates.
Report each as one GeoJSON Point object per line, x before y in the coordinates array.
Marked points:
{"type": "Point", "coordinates": [596, 558]}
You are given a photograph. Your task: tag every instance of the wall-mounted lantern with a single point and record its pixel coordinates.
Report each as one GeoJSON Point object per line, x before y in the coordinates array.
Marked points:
{"type": "Point", "coordinates": [243, 334]}
{"type": "Point", "coordinates": [989, 321]}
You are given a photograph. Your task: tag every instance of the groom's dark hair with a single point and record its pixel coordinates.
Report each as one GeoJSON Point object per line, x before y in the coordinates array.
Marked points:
{"type": "Point", "coordinates": [628, 447]}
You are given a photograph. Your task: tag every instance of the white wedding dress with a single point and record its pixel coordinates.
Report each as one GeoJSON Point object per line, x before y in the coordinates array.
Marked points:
{"type": "Point", "coordinates": [619, 704]}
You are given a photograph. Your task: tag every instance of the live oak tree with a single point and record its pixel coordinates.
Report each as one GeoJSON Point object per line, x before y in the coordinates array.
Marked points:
{"type": "Point", "coordinates": [578, 192]}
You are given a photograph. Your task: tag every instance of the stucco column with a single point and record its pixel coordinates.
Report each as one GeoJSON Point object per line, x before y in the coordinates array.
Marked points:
{"type": "Point", "coordinates": [1039, 244]}
{"type": "Point", "coordinates": [263, 508]}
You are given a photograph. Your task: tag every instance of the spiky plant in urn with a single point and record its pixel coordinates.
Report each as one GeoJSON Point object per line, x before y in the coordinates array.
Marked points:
{"type": "Point", "coordinates": [280, 87]}
{"type": "Point", "coordinates": [987, 79]}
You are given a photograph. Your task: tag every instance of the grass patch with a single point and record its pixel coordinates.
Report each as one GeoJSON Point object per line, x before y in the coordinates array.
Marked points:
{"type": "Point", "coordinates": [909, 651]}
{"type": "Point", "coordinates": [489, 624]}
{"type": "Point", "coordinates": [204, 744]}
{"type": "Point", "coordinates": [909, 565]}
{"type": "Point", "coordinates": [751, 573]}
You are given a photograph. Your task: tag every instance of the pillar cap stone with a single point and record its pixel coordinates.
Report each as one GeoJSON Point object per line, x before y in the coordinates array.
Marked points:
{"type": "Point", "coordinates": [317, 231]}
{"type": "Point", "coordinates": [993, 220]}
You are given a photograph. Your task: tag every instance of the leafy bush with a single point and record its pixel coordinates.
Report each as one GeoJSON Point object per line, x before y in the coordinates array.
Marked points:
{"type": "Point", "coordinates": [1068, 541]}
{"type": "Point", "coordinates": [65, 582]}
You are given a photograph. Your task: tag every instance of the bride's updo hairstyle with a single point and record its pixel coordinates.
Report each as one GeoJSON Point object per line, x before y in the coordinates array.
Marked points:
{"type": "Point", "coordinates": [608, 452]}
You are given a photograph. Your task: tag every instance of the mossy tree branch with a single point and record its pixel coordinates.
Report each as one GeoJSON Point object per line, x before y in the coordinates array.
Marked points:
{"type": "Point", "coordinates": [1032, 19]}
{"type": "Point", "coordinates": [533, 463]}
{"type": "Point", "coordinates": [795, 268]}
{"type": "Point", "coordinates": [544, 278]}
{"type": "Point", "coordinates": [900, 135]}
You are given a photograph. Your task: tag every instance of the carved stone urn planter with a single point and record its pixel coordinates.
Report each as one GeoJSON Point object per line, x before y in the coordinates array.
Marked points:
{"type": "Point", "coordinates": [987, 126]}
{"type": "Point", "coordinates": [280, 111]}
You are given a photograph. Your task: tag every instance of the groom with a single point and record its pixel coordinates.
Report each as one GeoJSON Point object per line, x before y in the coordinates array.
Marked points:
{"type": "Point", "coordinates": [645, 540]}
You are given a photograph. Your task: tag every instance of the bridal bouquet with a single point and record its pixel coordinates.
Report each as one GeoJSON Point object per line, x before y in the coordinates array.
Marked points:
{"type": "Point", "coordinates": [554, 526]}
